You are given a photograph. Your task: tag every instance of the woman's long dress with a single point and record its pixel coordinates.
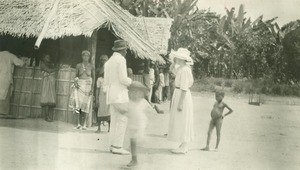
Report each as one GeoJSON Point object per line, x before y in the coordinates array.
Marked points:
{"type": "Point", "coordinates": [48, 96]}
{"type": "Point", "coordinates": [181, 124]}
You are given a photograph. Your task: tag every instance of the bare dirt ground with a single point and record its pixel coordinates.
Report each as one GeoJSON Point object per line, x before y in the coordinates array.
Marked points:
{"type": "Point", "coordinates": [253, 137]}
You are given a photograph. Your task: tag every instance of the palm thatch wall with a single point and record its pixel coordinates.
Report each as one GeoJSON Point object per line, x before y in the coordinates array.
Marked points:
{"type": "Point", "coordinates": [147, 37]}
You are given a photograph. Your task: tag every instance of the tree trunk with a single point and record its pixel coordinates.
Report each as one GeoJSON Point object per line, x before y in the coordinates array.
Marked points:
{"type": "Point", "coordinates": [145, 8]}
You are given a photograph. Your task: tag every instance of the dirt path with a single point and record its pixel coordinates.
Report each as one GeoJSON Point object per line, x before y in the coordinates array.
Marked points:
{"type": "Point", "coordinates": [253, 137]}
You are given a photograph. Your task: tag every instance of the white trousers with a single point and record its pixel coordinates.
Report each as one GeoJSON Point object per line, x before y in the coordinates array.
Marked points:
{"type": "Point", "coordinates": [118, 127]}
{"type": "Point", "coordinates": [159, 91]}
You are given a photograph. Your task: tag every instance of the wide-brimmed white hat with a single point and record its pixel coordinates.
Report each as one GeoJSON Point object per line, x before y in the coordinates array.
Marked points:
{"type": "Point", "coordinates": [181, 53]}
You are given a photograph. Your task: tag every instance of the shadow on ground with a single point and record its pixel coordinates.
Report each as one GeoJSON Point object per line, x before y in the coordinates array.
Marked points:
{"type": "Point", "coordinates": [84, 150]}
{"type": "Point", "coordinates": [37, 125]}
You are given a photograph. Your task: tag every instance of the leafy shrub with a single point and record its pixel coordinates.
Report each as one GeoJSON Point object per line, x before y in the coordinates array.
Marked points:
{"type": "Point", "coordinates": [296, 91]}
{"type": "Point", "coordinates": [218, 82]}
{"type": "Point", "coordinates": [291, 90]}
{"type": "Point", "coordinates": [265, 90]}
{"type": "Point", "coordinates": [228, 83]}
{"type": "Point", "coordinates": [212, 88]}
{"type": "Point", "coordinates": [204, 81]}
{"type": "Point", "coordinates": [248, 87]}
{"type": "Point", "coordinates": [203, 85]}
{"type": "Point", "coordinates": [277, 89]}
{"type": "Point", "coordinates": [262, 86]}
{"type": "Point", "coordinates": [238, 87]}
{"type": "Point", "coordinates": [286, 90]}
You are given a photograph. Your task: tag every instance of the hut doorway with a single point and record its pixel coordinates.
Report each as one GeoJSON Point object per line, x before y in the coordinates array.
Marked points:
{"type": "Point", "coordinates": [105, 42]}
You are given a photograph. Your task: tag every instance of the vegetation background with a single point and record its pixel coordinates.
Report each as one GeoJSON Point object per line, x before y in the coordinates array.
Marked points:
{"type": "Point", "coordinates": [231, 50]}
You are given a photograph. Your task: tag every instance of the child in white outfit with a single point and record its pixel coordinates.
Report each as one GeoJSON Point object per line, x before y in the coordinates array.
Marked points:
{"type": "Point", "coordinates": [137, 119]}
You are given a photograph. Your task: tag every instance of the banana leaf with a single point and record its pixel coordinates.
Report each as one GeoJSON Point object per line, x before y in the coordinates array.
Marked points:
{"type": "Point", "coordinates": [187, 6]}
{"type": "Point", "coordinates": [166, 13]}
{"type": "Point", "coordinates": [240, 18]}
{"type": "Point", "coordinates": [220, 29]}
{"type": "Point", "coordinates": [271, 20]}
{"type": "Point", "coordinates": [247, 25]}
{"type": "Point", "coordinates": [155, 11]}
{"type": "Point", "coordinates": [229, 18]}
{"type": "Point", "coordinates": [277, 26]}
{"type": "Point", "coordinates": [257, 20]}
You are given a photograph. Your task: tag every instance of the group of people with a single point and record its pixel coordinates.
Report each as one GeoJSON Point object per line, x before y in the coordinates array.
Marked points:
{"type": "Point", "coordinates": [159, 79]}
{"type": "Point", "coordinates": [125, 103]}
{"type": "Point", "coordinates": [122, 102]}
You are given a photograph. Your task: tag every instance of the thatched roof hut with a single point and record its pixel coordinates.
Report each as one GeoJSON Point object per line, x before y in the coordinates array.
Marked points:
{"type": "Point", "coordinates": [147, 37]}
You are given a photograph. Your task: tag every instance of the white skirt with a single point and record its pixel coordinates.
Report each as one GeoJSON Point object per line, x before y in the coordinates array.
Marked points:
{"type": "Point", "coordinates": [181, 124]}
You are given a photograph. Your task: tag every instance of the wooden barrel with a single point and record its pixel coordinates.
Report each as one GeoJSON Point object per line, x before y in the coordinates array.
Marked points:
{"type": "Point", "coordinates": [64, 80]}
{"type": "Point", "coordinates": [25, 100]}
{"type": "Point", "coordinates": [26, 92]}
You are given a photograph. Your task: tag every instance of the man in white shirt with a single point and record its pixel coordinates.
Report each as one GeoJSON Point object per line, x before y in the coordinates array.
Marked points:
{"type": "Point", "coordinates": [7, 63]}
{"type": "Point", "coordinates": [116, 82]}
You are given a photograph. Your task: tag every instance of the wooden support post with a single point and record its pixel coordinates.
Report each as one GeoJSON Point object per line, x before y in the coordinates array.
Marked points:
{"type": "Point", "coordinates": [47, 22]}
{"type": "Point", "coordinates": [92, 47]}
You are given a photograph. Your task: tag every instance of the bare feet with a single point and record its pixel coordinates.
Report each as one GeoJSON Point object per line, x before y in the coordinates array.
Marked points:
{"type": "Point", "coordinates": [205, 149]}
{"type": "Point", "coordinates": [98, 131]}
{"type": "Point", "coordinates": [132, 163]}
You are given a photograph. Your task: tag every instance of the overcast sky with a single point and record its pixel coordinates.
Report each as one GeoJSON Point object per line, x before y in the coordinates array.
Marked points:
{"type": "Point", "coordinates": [286, 10]}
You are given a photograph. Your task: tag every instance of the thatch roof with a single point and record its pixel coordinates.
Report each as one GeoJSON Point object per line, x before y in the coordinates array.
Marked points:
{"type": "Point", "coordinates": [146, 36]}
{"type": "Point", "coordinates": [156, 30]}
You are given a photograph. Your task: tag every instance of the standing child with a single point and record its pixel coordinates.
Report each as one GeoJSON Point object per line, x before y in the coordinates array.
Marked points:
{"type": "Point", "coordinates": [166, 89]}
{"type": "Point", "coordinates": [161, 85]}
{"type": "Point", "coordinates": [137, 119]}
{"type": "Point", "coordinates": [152, 80]}
{"type": "Point", "coordinates": [102, 113]}
{"type": "Point", "coordinates": [130, 72]}
{"type": "Point", "coordinates": [217, 119]}
{"type": "Point", "coordinates": [156, 84]}
{"type": "Point", "coordinates": [48, 96]}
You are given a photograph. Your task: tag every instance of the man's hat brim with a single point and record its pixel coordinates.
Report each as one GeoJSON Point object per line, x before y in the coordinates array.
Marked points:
{"type": "Point", "coordinates": [119, 48]}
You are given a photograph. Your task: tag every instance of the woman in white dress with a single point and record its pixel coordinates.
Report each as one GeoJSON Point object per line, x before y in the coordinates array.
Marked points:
{"type": "Point", "coordinates": [181, 124]}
